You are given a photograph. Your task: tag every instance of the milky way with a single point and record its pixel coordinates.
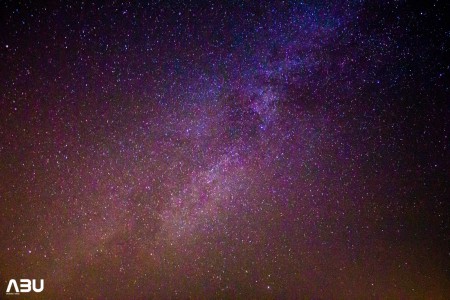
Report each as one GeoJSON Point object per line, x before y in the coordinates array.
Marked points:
{"type": "Point", "coordinates": [225, 149]}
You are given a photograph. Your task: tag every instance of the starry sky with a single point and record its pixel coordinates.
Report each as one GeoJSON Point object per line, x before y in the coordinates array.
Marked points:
{"type": "Point", "coordinates": [229, 149]}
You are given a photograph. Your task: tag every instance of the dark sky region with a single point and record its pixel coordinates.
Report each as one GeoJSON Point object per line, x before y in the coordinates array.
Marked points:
{"type": "Point", "coordinates": [226, 149]}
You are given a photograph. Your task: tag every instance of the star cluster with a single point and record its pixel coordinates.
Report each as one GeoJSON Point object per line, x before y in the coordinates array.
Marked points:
{"type": "Point", "coordinates": [229, 149]}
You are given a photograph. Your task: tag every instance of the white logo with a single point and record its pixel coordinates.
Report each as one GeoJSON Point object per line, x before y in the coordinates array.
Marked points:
{"type": "Point", "coordinates": [26, 285]}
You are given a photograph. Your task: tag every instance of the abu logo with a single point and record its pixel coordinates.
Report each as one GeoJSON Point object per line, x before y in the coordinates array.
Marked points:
{"type": "Point", "coordinates": [26, 286]}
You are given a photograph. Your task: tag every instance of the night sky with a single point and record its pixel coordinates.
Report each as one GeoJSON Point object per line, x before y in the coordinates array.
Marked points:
{"type": "Point", "coordinates": [229, 149]}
